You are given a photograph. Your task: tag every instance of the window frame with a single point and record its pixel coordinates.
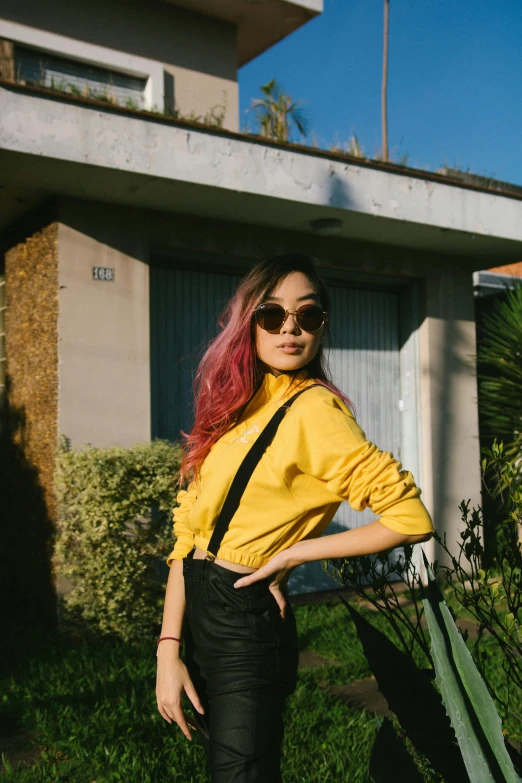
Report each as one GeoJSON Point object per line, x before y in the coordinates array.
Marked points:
{"type": "Point", "coordinates": [91, 54]}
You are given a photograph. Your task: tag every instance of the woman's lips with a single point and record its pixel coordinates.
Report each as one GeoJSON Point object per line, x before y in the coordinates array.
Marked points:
{"type": "Point", "coordinates": [287, 348]}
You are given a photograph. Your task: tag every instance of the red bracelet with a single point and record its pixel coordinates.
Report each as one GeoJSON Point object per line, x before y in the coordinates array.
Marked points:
{"type": "Point", "coordinates": [173, 638]}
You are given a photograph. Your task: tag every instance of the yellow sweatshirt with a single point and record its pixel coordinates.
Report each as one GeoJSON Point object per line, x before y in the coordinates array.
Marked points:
{"type": "Point", "coordinates": [318, 458]}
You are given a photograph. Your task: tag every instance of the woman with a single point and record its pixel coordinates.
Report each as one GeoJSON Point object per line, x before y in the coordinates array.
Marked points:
{"type": "Point", "coordinates": [227, 579]}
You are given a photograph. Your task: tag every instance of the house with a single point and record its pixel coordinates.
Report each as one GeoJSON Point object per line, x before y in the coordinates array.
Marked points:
{"type": "Point", "coordinates": [126, 224]}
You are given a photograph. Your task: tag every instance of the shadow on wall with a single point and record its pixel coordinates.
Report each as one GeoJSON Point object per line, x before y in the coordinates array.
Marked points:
{"type": "Point", "coordinates": [26, 581]}
{"type": "Point", "coordinates": [455, 404]}
{"type": "Point", "coordinates": [339, 197]}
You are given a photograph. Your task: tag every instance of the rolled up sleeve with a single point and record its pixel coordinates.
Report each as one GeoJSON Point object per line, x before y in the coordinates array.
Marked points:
{"type": "Point", "coordinates": [183, 533]}
{"type": "Point", "coordinates": [330, 446]}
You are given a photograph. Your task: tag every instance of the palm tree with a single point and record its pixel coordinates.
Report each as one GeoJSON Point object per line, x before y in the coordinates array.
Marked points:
{"type": "Point", "coordinates": [500, 374]}
{"type": "Point", "coordinates": [276, 113]}
{"type": "Point", "coordinates": [384, 106]}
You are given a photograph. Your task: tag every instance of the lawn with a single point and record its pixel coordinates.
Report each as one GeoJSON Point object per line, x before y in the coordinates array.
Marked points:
{"type": "Point", "coordinates": [89, 708]}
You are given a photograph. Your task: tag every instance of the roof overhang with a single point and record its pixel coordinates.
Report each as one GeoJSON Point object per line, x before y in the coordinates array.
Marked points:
{"type": "Point", "coordinates": [488, 283]}
{"type": "Point", "coordinates": [260, 23]}
{"type": "Point", "coordinates": [55, 146]}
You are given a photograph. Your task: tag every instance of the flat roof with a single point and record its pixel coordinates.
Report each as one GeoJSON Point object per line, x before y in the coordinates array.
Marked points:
{"type": "Point", "coordinates": [55, 144]}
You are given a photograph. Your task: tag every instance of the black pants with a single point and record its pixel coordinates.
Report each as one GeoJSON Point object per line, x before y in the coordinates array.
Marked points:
{"type": "Point", "coordinates": [242, 658]}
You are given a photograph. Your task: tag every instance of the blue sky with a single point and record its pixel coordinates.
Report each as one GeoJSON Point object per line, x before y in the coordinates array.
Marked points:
{"type": "Point", "coordinates": [454, 86]}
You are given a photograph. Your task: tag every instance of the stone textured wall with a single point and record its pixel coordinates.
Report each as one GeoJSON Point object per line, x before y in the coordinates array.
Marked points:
{"type": "Point", "coordinates": [29, 430]}
{"type": "Point", "coordinates": [32, 348]}
{"type": "Point", "coordinates": [6, 60]}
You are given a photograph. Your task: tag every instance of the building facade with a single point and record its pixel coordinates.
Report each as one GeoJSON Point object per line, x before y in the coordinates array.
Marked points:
{"type": "Point", "coordinates": [126, 225]}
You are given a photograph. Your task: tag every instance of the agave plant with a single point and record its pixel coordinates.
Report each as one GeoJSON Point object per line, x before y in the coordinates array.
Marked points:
{"type": "Point", "coordinates": [453, 730]}
{"type": "Point", "coordinates": [276, 113]}
{"type": "Point", "coordinates": [466, 698]}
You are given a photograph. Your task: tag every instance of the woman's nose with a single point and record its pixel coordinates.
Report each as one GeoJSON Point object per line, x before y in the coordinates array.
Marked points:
{"type": "Point", "coordinates": [290, 325]}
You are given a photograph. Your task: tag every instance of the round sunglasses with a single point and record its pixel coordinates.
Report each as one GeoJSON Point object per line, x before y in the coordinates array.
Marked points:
{"type": "Point", "coordinates": [271, 317]}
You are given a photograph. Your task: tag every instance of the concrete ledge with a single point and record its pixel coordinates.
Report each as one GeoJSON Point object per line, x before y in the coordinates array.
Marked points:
{"type": "Point", "coordinates": [229, 175]}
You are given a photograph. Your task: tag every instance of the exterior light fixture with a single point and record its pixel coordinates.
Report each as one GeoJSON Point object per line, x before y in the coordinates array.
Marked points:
{"type": "Point", "coordinates": [326, 226]}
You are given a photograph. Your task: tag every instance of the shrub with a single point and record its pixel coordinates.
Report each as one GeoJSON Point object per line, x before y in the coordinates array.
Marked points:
{"type": "Point", "coordinates": [114, 531]}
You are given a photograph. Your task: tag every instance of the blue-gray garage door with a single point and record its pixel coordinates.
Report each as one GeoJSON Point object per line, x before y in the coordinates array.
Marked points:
{"type": "Point", "coordinates": [363, 356]}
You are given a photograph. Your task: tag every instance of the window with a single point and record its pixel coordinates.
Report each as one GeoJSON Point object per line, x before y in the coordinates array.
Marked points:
{"type": "Point", "coordinates": [78, 78]}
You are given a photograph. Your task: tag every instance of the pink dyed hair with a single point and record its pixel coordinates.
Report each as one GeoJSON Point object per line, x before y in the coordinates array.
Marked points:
{"type": "Point", "coordinates": [230, 373]}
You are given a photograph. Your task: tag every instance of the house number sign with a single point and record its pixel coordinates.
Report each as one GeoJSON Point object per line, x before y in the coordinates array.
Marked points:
{"type": "Point", "coordinates": [103, 273]}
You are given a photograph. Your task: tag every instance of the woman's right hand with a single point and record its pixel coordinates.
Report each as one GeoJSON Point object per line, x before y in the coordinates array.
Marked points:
{"type": "Point", "coordinates": [172, 679]}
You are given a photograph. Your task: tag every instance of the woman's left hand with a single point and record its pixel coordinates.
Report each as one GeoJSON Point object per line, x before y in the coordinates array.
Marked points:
{"type": "Point", "coordinates": [280, 567]}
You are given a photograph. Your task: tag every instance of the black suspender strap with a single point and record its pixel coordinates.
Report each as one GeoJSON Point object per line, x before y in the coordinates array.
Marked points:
{"type": "Point", "coordinates": [244, 473]}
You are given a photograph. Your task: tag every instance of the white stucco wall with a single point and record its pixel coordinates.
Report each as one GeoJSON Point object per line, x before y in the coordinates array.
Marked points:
{"type": "Point", "coordinates": [104, 375]}
{"type": "Point", "coordinates": [451, 449]}
{"type": "Point", "coordinates": [201, 95]}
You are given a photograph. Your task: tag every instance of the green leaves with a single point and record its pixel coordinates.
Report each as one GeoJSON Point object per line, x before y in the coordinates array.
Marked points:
{"type": "Point", "coordinates": [491, 590]}
{"type": "Point", "coordinates": [500, 372]}
{"type": "Point", "coordinates": [411, 696]}
{"type": "Point", "coordinates": [276, 113]}
{"type": "Point", "coordinates": [478, 693]}
{"type": "Point", "coordinates": [114, 530]}
{"type": "Point", "coordinates": [468, 703]}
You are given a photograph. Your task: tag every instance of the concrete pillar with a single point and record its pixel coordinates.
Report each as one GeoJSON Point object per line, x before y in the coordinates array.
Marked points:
{"type": "Point", "coordinates": [451, 449]}
{"type": "Point", "coordinates": [104, 341]}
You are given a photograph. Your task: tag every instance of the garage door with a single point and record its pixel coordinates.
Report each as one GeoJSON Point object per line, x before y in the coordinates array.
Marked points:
{"type": "Point", "coordinates": [184, 308]}
{"type": "Point", "coordinates": [363, 356]}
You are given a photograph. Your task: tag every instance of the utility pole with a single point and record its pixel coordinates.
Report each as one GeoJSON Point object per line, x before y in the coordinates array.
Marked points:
{"type": "Point", "coordinates": [384, 105]}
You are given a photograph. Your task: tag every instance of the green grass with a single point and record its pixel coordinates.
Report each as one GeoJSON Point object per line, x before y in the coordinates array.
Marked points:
{"type": "Point", "coordinates": [90, 708]}
{"type": "Point", "coordinates": [325, 740]}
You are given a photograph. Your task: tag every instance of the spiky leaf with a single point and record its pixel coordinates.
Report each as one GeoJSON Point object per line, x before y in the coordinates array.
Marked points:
{"type": "Point", "coordinates": [413, 698]}
{"type": "Point", "coordinates": [470, 707]}
{"type": "Point", "coordinates": [390, 758]}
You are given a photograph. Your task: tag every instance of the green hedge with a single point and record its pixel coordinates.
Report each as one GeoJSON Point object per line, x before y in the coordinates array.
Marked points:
{"type": "Point", "coordinates": [114, 530]}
